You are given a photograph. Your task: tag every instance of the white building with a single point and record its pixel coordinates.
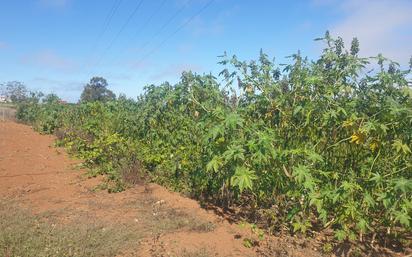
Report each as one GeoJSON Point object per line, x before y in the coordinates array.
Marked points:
{"type": "Point", "coordinates": [4, 99]}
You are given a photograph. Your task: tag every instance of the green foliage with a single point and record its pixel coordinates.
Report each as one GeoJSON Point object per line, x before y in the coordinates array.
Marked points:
{"type": "Point", "coordinates": [243, 178]}
{"type": "Point", "coordinates": [315, 143]}
{"type": "Point", "coordinates": [28, 109]}
{"type": "Point", "coordinates": [96, 90]}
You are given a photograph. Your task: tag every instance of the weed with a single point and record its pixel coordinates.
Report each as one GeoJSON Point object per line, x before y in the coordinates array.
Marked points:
{"type": "Point", "coordinates": [327, 248]}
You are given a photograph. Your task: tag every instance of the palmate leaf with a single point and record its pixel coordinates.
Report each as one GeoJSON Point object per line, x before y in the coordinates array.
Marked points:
{"type": "Point", "coordinates": [233, 120]}
{"type": "Point", "coordinates": [368, 200]}
{"type": "Point", "coordinates": [297, 109]}
{"type": "Point", "coordinates": [301, 173]}
{"type": "Point", "coordinates": [340, 234]}
{"type": "Point", "coordinates": [362, 225]}
{"type": "Point", "coordinates": [313, 156]}
{"type": "Point", "coordinates": [234, 152]}
{"type": "Point", "coordinates": [265, 140]}
{"type": "Point", "coordinates": [403, 218]}
{"type": "Point", "coordinates": [407, 204]}
{"type": "Point", "coordinates": [216, 131]}
{"type": "Point", "coordinates": [323, 215]}
{"type": "Point", "coordinates": [384, 128]}
{"type": "Point", "coordinates": [385, 198]}
{"type": "Point", "coordinates": [301, 226]}
{"type": "Point", "coordinates": [213, 165]}
{"type": "Point", "coordinates": [402, 184]}
{"type": "Point", "coordinates": [292, 213]}
{"type": "Point", "coordinates": [309, 183]}
{"type": "Point", "coordinates": [348, 186]}
{"type": "Point", "coordinates": [259, 158]}
{"type": "Point", "coordinates": [351, 209]}
{"type": "Point", "coordinates": [377, 178]}
{"type": "Point", "coordinates": [399, 146]}
{"type": "Point", "coordinates": [314, 200]}
{"type": "Point", "coordinates": [243, 178]}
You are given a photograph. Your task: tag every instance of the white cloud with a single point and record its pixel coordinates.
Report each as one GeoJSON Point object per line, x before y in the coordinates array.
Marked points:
{"type": "Point", "coordinates": [382, 26]}
{"type": "Point", "coordinates": [49, 60]}
{"type": "Point", "coordinates": [58, 85]}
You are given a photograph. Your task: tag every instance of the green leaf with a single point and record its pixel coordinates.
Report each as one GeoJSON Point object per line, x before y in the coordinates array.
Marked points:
{"type": "Point", "coordinates": [384, 128]}
{"type": "Point", "coordinates": [301, 226]}
{"type": "Point", "coordinates": [377, 178]}
{"type": "Point", "coordinates": [243, 178]}
{"type": "Point", "coordinates": [233, 120]}
{"type": "Point", "coordinates": [368, 200]}
{"type": "Point", "coordinates": [340, 234]}
{"type": "Point", "coordinates": [301, 173]}
{"type": "Point", "coordinates": [399, 146]}
{"type": "Point", "coordinates": [314, 157]}
{"type": "Point", "coordinates": [213, 165]}
{"type": "Point", "coordinates": [403, 218]}
{"type": "Point", "coordinates": [402, 184]}
{"type": "Point", "coordinates": [297, 109]}
{"type": "Point", "coordinates": [216, 131]}
{"type": "Point", "coordinates": [362, 225]}
{"type": "Point", "coordinates": [247, 242]}
{"type": "Point", "coordinates": [292, 213]}
{"type": "Point", "coordinates": [234, 153]}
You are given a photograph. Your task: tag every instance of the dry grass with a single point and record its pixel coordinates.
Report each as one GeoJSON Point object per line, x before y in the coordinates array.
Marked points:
{"type": "Point", "coordinates": [161, 218]}
{"type": "Point", "coordinates": [168, 220]}
{"type": "Point", "coordinates": [159, 250]}
{"type": "Point", "coordinates": [7, 112]}
{"type": "Point", "coordinates": [202, 252]}
{"type": "Point", "coordinates": [24, 234]}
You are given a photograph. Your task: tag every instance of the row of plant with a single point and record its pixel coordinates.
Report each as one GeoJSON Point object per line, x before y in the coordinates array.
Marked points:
{"type": "Point", "coordinates": [307, 146]}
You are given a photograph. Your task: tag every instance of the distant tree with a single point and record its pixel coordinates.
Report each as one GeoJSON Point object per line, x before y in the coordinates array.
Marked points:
{"type": "Point", "coordinates": [96, 90]}
{"type": "Point", "coordinates": [2, 90]}
{"type": "Point", "coordinates": [51, 98]}
{"type": "Point", "coordinates": [354, 49]}
{"type": "Point", "coordinates": [15, 91]}
{"type": "Point", "coordinates": [122, 97]}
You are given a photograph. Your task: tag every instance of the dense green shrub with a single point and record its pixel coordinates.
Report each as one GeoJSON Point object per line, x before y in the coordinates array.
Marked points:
{"type": "Point", "coordinates": [320, 143]}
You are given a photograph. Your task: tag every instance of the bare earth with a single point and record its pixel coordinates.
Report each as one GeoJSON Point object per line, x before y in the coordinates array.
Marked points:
{"type": "Point", "coordinates": [43, 179]}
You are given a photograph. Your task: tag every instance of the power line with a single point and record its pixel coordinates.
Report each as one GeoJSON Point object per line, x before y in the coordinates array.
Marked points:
{"type": "Point", "coordinates": [175, 32]}
{"type": "Point", "coordinates": [145, 24]}
{"type": "Point", "coordinates": [106, 24]}
{"type": "Point", "coordinates": [166, 23]}
{"type": "Point", "coordinates": [149, 19]}
{"type": "Point", "coordinates": [129, 19]}
{"type": "Point", "coordinates": [107, 21]}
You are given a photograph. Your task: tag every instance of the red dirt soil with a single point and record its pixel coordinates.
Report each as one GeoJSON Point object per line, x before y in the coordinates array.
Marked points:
{"type": "Point", "coordinates": [44, 179]}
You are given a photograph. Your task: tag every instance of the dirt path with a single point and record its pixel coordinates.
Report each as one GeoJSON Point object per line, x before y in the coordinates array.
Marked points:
{"type": "Point", "coordinates": [37, 176]}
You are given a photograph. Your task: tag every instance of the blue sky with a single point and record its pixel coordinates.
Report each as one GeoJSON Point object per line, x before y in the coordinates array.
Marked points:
{"type": "Point", "coordinates": [57, 45]}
